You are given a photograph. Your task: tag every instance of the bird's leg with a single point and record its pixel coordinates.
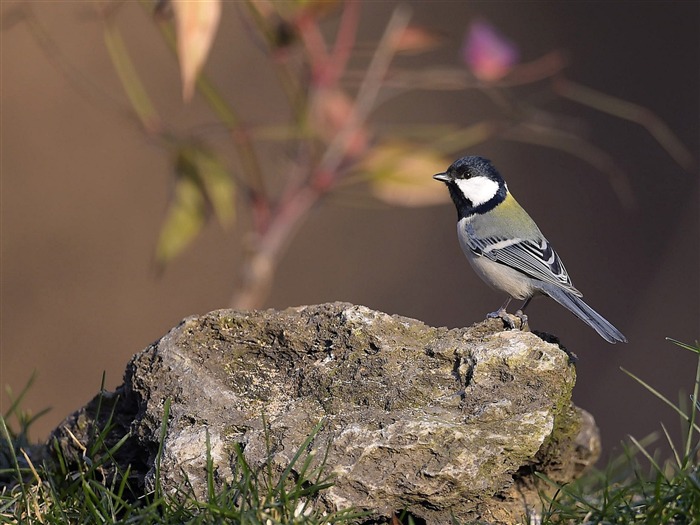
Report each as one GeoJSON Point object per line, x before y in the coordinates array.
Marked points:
{"type": "Point", "coordinates": [500, 311]}
{"type": "Point", "coordinates": [502, 314]}
{"type": "Point", "coordinates": [521, 315]}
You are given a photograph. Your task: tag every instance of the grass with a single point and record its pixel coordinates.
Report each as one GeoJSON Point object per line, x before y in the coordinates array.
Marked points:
{"type": "Point", "coordinates": [637, 487]}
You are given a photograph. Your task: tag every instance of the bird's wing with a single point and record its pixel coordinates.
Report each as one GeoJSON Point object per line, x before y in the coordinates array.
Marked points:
{"type": "Point", "coordinates": [533, 257]}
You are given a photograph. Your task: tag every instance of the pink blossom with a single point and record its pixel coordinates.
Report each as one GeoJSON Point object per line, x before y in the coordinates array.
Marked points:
{"type": "Point", "coordinates": [487, 52]}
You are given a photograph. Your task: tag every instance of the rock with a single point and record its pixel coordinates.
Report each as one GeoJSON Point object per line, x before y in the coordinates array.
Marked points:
{"type": "Point", "coordinates": [439, 422]}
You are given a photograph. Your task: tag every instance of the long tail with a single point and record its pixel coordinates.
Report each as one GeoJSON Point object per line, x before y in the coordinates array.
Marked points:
{"type": "Point", "coordinates": [584, 312]}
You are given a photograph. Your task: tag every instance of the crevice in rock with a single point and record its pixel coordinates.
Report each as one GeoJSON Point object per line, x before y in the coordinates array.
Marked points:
{"type": "Point", "coordinates": [396, 436]}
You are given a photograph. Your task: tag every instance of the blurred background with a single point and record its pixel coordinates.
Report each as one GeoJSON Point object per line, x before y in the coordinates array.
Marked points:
{"type": "Point", "coordinates": [85, 192]}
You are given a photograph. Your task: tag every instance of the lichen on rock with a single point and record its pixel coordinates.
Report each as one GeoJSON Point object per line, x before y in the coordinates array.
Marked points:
{"type": "Point", "coordinates": [442, 423]}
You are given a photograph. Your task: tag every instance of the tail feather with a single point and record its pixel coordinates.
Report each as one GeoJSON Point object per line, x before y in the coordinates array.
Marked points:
{"type": "Point", "coordinates": [584, 312]}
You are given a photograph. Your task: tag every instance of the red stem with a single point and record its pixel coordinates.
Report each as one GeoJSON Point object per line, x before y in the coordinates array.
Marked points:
{"type": "Point", "coordinates": [344, 42]}
{"type": "Point", "coordinates": [259, 267]}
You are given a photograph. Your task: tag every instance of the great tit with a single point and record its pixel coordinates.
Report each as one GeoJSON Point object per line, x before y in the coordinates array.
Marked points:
{"type": "Point", "coordinates": [506, 248]}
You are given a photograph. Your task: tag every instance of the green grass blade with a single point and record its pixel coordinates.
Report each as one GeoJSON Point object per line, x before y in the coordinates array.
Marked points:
{"type": "Point", "coordinates": [695, 349]}
{"type": "Point", "coordinates": [301, 450]}
{"type": "Point", "coordinates": [158, 492]}
{"type": "Point", "coordinates": [693, 411]}
{"type": "Point", "coordinates": [660, 396]}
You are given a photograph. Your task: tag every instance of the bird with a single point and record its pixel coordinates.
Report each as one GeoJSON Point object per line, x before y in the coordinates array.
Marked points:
{"type": "Point", "coordinates": [507, 249]}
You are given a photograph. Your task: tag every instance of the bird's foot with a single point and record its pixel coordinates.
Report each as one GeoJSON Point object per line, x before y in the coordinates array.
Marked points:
{"type": "Point", "coordinates": [503, 316]}
{"type": "Point", "coordinates": [523, 320]}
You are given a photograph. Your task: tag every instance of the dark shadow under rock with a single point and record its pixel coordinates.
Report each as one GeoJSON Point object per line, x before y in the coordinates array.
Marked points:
{"type": "Point", "coordinates": [436, 422]}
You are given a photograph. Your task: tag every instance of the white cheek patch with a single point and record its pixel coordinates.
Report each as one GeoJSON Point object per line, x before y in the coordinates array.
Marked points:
{"type": "Point", "coordinates": [478, 189]}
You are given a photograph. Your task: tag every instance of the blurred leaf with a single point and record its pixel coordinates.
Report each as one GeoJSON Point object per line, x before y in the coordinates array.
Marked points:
{"type": "Point", "coordinates": [217, 183]}
{"type": "Point", "coordinates": [401, 173]}
{"type": "Point", "coordinates": [129, 77]}
{"type": "Point", "coordinates": [196, 23]}
{"type": "Point", "coordinates": [202, 184]}
{"type": "Point", "coordinates": [415, 39]}
{"type": "Point", "coordinates": [489, 55]}
{"type": "Point", "coordinates": [296, 8]}
{"type": "Point", "coordinates": [184, 220]}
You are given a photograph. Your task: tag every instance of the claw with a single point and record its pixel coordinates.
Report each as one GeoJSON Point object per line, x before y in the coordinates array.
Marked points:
{"type": "Point", "coordinates": [506, 318]}
{"type": "Point", "coordinates": [523, 319]}
{"type": "Point", "coordinates": [503, 315]}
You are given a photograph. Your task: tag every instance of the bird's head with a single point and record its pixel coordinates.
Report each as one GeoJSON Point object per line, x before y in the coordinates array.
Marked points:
{"type": "Point", "coordinates": [475, 185]}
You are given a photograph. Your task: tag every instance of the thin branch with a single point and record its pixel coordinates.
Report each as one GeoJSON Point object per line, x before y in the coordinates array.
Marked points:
{"type": "Point", "coordinates": [83, 84]}
{"type": "Point", "coordinates": [465, 137]}
{"type": "Point", "coordinates": [296, 203]}
{"type": "Point", "coordinates": [344, 42]}
{"type": "Point", "coordinates": [259, 267]}
{"type": "Point", "coordinates": [290, 84]}
{"type": "Point", "coordinates": [314, 44]}
{"type": "Point", "coordinates": [628, 111]}
{"type": "Point", "coordinates": [366, 96]}
{"type": "Point", "coordinates": [558, 139]}
{"type": "Point", "coordinates": [446, 78]}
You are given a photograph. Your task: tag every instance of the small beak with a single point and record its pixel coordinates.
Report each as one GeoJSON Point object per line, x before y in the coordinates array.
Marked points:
{"type": "Point", "coordinates": [443, 177]}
